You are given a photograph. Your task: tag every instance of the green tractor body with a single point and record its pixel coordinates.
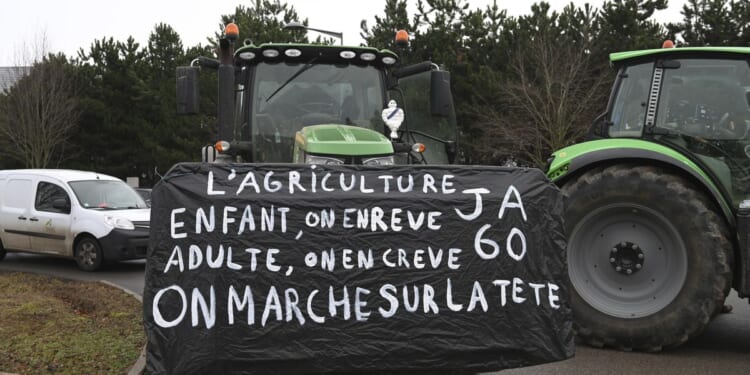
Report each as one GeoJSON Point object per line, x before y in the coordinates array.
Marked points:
{"type": "Point", "coordinates": [658, 202]}
{"type": "Point", "coordinates": [284, 103]}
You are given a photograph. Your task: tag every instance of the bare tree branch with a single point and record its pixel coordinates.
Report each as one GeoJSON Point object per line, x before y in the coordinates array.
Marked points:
{"type": "Point", "coordinates": [548, 100]}
{"type": "Point", "coordinates": [39, 113]}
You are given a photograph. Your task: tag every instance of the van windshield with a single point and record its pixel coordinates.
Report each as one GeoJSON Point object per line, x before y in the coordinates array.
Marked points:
{"type": "Point", "coordinates": [106, 195]}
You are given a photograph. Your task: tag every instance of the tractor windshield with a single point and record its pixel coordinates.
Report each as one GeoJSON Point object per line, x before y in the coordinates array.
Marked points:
{"type": "Point", "coordinates": [285, 97]}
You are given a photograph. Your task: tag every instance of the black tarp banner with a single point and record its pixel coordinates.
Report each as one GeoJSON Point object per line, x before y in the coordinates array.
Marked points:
{"type": "Point", "coordinates": [293, 269]}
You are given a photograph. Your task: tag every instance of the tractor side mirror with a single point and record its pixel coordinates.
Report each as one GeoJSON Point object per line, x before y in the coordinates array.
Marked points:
{"type": "Point", "coordinates": [451, 150]}
{"type": "Point", "coordinates": [188, 96]}
{"type": "Point", "coordinates": [441, 101]}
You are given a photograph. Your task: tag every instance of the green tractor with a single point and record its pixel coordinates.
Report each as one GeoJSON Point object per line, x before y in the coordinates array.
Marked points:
{"type": "Point", "coordinates": [658, 201]}
{"type": "Point", "coordinates": [320, 104]}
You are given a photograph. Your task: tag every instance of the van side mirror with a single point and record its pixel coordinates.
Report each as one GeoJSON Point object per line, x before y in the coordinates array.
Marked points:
{"type": "Point", "coordinates": [188, 96]}
{"type": "Point", "coordinates": [441, 102]}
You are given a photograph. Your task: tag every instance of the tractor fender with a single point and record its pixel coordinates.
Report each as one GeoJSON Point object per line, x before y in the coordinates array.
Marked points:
{"type": "Point", "coordinates": [571, 161]}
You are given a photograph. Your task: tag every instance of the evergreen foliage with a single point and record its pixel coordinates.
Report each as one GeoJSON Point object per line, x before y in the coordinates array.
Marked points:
{"type": "Point", "coordinates": [523, 86]}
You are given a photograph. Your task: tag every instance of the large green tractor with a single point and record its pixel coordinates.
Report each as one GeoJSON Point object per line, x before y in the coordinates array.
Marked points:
{"type": "Point", "coordinates": [319, 104]}
{"type": "Point", "coordinates": [658, 201]}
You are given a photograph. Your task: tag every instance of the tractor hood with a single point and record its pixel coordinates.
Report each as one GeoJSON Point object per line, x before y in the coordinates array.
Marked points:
{"type": "Point", "coordinates": [342, 140]}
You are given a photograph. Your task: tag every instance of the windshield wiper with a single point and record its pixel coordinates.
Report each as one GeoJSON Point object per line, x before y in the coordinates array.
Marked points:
{"type": "Point", "coordinates": [301, 70]}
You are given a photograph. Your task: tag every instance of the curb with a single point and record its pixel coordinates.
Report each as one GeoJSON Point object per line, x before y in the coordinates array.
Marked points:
{"type": "Point", "coordinates": [140, 363]}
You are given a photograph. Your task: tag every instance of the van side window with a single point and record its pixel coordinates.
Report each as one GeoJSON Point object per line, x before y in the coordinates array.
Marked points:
{"type": "Point", "coordinates": [51, 198]}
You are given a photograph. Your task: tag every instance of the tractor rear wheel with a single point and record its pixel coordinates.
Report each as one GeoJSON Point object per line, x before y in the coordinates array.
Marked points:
{"type": "Point", "coordinates": [649, 259]}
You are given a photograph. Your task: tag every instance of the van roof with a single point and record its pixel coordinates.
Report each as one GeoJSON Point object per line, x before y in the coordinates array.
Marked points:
{"type": "Point", "coordinates": [60, 174]}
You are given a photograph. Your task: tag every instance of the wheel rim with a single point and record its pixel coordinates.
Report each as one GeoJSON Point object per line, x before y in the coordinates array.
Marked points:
{"type": "Point", "coordinates": [626, 260]}
{"type": "Point", "coordinates": [87, 253]}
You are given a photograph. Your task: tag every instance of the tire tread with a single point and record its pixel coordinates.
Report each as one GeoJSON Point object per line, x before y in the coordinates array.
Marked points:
{"type": "Point", "coordinates": [695, 317]}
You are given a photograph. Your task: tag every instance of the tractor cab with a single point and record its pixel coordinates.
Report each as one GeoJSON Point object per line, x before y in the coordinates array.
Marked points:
{"type": "Point", "coordinates": [321, 104]}
{"type": "Point", "coordinates": [694, 100]}
{"type": "Point", "coordinates": [311, 85]}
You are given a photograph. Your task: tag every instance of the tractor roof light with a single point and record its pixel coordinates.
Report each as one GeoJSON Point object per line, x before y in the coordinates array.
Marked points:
{"type": "Point", "coordinates": [367, 56]}
{"type": "Point", "coordinates": [347, 54]}
{"type": "Point", "coordinates": [231, 31]}
{"type": "Point", "coordinates": [418, 148]}
{"type": "Point", "coordinates": [402, 38]}
{"type": "Point", "coordinates": [270, 53]}
{"type": "Point", "coordinates": [222, 146]}
{"type": "Point", "coordinates": [247, 55]}
{"type": "Point", "coordinates": [667, 44]}
{"type": "Point", "coordinates": [388, 60]}
{"type": "Point", "coordinates": [293, 52]}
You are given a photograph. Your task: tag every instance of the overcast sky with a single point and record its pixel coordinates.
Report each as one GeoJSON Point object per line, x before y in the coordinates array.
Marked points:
{"type": "Point", "coordinates": [72, 24]}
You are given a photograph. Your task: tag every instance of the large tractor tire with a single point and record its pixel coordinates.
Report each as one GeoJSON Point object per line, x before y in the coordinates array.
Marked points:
{"type": "Point", "coordinates": [649, 259]}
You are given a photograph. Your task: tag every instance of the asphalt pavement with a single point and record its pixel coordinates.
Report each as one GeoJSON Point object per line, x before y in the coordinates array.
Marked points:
{"type": "Point", "coordinates": [724, 348]}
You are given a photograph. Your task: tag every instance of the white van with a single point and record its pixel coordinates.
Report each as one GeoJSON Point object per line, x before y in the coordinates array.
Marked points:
{"type": "Point", "coordinates": [91, 217]}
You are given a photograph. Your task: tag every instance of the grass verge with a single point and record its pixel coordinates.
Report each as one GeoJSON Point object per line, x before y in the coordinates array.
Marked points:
{"type": "Point", "coordinates": [56, 326]}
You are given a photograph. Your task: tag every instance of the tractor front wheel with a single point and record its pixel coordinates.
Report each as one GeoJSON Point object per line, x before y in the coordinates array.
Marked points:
{"type": "Point", "coordinates": [649, 259]}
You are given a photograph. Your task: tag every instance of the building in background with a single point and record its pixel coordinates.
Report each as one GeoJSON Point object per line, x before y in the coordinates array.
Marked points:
{"type": "Point", "coordinates": [9, 75]}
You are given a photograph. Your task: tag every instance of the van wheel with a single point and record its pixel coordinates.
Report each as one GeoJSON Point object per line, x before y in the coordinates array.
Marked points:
{"type": "Point", "coordinates": [88, 254]}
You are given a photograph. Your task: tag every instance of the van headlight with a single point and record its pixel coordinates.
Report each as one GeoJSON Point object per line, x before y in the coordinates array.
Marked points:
{"type": "Point", "coordinates": [325, 160]}
{"type": "Point", "coordinates": [383, 160]}
{"type": "Point", "coordinates": [119, 222]}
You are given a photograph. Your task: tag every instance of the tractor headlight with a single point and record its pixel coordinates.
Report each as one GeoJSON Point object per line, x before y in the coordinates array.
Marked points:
{"type": "Point", "coordinates": [383, 160]}
{"type": "Point", "coordinates": [119, 222]}
{"type": "Point", "coordinates": [325, 160]}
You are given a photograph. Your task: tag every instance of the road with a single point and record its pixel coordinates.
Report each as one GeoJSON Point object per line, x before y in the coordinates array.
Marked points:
{"type": "Point", "coordinates": [128, 275]}
{"type": "Point", "coordinates": [723, 349]}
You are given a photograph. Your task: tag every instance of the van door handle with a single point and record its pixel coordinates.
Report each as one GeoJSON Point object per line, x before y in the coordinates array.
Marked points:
{"type": "Point", "coordinates": [33, 219]}
{"type": "Point", "coordinates": [22, 218]}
